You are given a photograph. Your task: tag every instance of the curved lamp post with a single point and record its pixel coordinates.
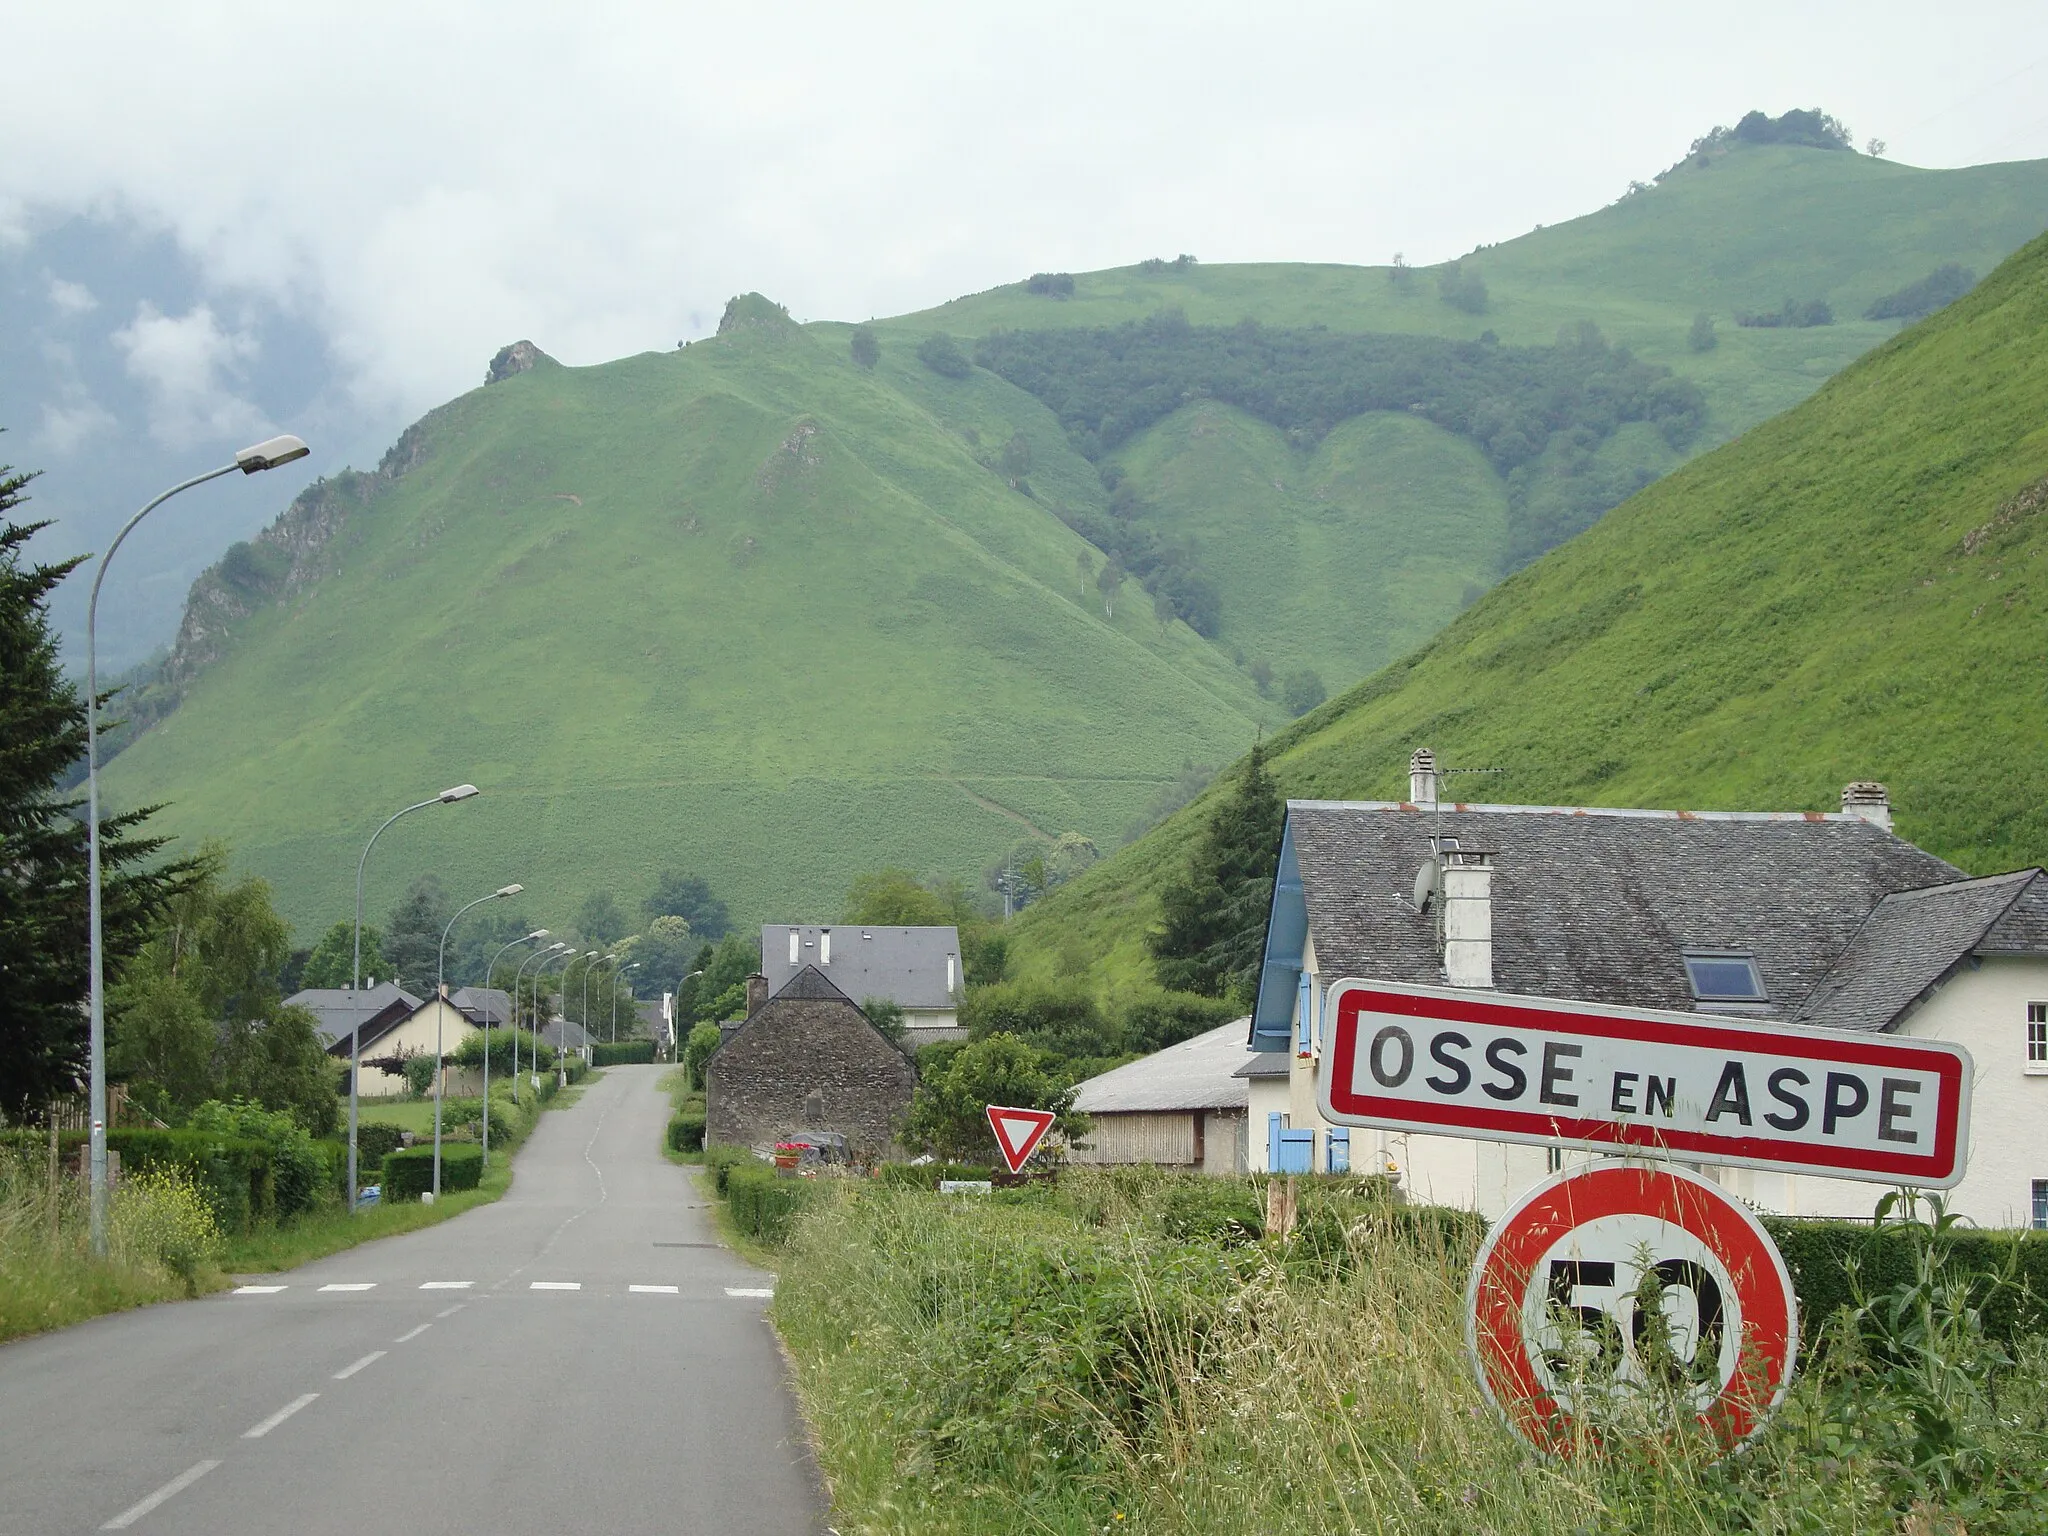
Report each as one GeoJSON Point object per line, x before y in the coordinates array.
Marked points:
{"type": "Point", "coordinates": [587, 956]}
{"type": "Point", "coordinates": [355, 971]}
{"type": "Point", "coordinates": [621, 971]}
{"type": "Point", "coordinates": [538, 959]}
{"type": "Point", "coordinates": [441, 1015]}
{"type": "Point", "coordinates": [568, 957]}
{"type": "Point", "coordinates": [676, 1023]}
{"type": "Point", "coordinates": [266, 455]}
{"type": "Point", "coordinates": [513, 1020]}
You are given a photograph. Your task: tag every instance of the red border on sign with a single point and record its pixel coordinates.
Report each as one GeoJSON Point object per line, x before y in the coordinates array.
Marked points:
{"type": "Point", "coordinates": [1938, 1165]}
{"type": "Point", "coordinates": [1502, 1272]}
{"type": "Point", "coordinates": [1015, 1157]}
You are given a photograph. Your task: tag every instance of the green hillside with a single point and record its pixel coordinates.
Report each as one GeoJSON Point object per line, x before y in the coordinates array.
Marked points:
{"type": "Point", "coordinates": [741, 608]}
{"type": "Point", "coordinates": [752, 609]}
{"type": "Point", "coordinates": [1858, 589]}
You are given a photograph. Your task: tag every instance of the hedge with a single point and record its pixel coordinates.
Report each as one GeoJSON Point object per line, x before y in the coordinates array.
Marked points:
{"type": "Point", "coordinates": [686, 1131]}
{"type": "Point", "coordinates": [723, 1160]}
{"type": "Point", "coordinates": [235, 1173]}
{"type": "Point", "coordinates": [765, 1203]}
{"type": "Point", "coordinates": [623, 1053]}
{"type": "Point", "coordinates": [409, 1172]}
{"type": "Point", "coordinates": [1817, 1253]}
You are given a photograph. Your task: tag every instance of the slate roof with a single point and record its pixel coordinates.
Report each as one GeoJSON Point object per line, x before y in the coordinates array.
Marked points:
{"type": "Point", "coordinates": [482, 1005]}
{"type": "Point", "coordinates": [1266, 1064]}
{"type": "Point", "coordinates": [1912, 940]}
{"type": "Point", "coordinates": [557, 1029]}
{"type": "Point", "coordinates": [1198, 1073]}
{"type": "Point", "coordinates": [905, 965]}
{"type": "Point", "coordinates": [338, 1010]}
{"type": "Point", "coordinates": [1603, 904]}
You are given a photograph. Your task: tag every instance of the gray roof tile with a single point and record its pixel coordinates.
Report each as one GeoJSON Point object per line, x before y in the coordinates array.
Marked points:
{"type": "Point", "coordinates": [905, 965]}
{"type": "Point", "coordinates": [1600, 904]}
{"type": "Point", "coordinates": [1909, 943]}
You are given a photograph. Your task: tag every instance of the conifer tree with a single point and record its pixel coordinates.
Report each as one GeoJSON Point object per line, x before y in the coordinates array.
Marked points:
{"type": "Point", "coordinates": [44, 960]}
{"type": "Point", "coordinates": [1215, 915]}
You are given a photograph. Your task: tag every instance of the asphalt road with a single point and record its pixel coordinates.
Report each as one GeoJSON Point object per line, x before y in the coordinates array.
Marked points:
{"type": "Point", "coordinates": [581, 1356]}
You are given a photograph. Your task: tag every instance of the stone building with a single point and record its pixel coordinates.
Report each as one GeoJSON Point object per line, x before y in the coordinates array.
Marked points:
{"type": "Point", "coordinates": [805, 1059]}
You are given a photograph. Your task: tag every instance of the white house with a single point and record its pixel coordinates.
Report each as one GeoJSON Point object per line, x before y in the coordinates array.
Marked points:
{"type": "Point", "coordinates": [394, 1026]}
{"type": "Point", "coordinates": [918, 969]}
{"type": "Point", "coordinates": [1823, 920]}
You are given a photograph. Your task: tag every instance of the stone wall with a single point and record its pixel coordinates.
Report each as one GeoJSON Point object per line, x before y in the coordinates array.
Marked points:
{"type": "Point", "coordinates": [807, 1063]}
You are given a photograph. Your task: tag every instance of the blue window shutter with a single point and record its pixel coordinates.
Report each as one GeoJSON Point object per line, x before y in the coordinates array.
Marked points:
{"type": "Point", "coordinates": [1304, 1015]}
{"type": "Point", "coordinates": [1273, 1142]}
{"type": "Point", "coordinates": [1338, 1150]}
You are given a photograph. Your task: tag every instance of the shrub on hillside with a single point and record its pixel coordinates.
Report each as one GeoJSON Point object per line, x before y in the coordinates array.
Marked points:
{"type": "Point", "coordinates": [866, 349]}
{"type": "Point", "coordinates": [1701, 337]}
{"type": "Point", "coordinates": [1793, 314]}
{"type": "Point", "coordinates": [1461, 288]}
{"type": "Point", "coordinates": [1056, 285]}
{"type": "Point", "coordinates": [942, 354]}
{"type": "Point", "coordinates": [1944, 285]}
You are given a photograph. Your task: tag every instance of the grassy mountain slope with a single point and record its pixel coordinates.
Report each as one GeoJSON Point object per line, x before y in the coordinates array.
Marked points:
{"type": "Point", "coordinates": [1858, 589]}
{"type": "Point", "coordinates": [741, 608]}
{"type": "Point", "coordinates": [1759, 224]}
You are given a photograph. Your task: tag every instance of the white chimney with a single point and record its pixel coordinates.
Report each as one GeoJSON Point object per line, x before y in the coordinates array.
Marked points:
{"type": "Point", "coordinates": [1468, 916]}
{"type": "Point", "coordinates": [1422, 777]}
{"type": "Point", "coordinates": [1870, 801]}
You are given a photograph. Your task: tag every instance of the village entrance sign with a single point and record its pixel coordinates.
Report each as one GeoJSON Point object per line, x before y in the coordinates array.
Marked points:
{"type": "Point", "coordinates": [1622, 1297]}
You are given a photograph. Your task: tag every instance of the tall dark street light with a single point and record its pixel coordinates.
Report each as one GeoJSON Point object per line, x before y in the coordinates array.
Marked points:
{"type": "Point", "coordinates": [441, 1014]}
{"type": "Point", "coordinates": [266, 455]}
{"type": "Point", "coordinates": [355, 971]}
{"type": "Point", "coordinates": [621, 971]}
{"type": "Point", "coordinates": [512, 1018]}
{"type": "Point", "coordinates": [538, 961]}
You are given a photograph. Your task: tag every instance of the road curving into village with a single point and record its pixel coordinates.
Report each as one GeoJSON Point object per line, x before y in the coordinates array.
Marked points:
{"type": "Point", "coordinates": [582, 1355]}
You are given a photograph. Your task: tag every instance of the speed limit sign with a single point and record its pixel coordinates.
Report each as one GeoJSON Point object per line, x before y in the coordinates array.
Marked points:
{"type": "Point", "coordinates": [1621, 1297]}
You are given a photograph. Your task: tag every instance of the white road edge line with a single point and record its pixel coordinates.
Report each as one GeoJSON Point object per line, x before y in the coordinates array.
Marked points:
{"type": "Point", "coordinates": [447, 1285]}
{"type": "Point", "coordinates": [657, 1290]}
{"type": "Point", "coordinates": [407, 1338]}
{"type": "Point", "coordinates": [170, 1490]}
{"type": "Point", "coordinates": [749, 1290]}
{"type": "Point", "coordinates": [557, 1285]}
{"type": "Point", "coordinates": [349, 1370]}
{"type": "Point", "coordinates": [357, 1285]}
{"type": "Point", "coordinates": [279, 1417]}
{"type": "Point", "coordinates": [256, 1290]}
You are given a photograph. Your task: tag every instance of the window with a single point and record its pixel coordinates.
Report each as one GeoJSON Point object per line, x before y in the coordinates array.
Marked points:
{"type": "Point", "coordinates": [1723, 977]}
{"type": "Point", "coordinates": [2037, 1034]}
{"type": "Point", "coordinates": [2041, 1205]}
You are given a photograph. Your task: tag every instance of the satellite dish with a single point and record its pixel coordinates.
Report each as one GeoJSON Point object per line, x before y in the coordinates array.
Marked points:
{"type": "Point", "coordinates": [1425, 884]}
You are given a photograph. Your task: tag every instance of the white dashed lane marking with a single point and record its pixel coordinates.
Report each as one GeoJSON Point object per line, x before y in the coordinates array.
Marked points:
{"type": "Point", "coordinates": [349, 1370]}
{"type": "Point", "coordinates": [407, 1338]}
{"type": "Point", "coordinates": [750, 1290]}
{"type": "Point", "coordinates": [362, 1285]}
{"type": "Point", "coordinates": [170, 1490]}
{"type": "Point", "coordinates": [280, 1416]}
{"type": "Point", "coordinates": [257, 1290]}
{"type": "Point", "coordinates": [656, 1290]}
{"type": "Point", "coordinates": [447, 1285]}
{"type": "Point", "coordinates": [556, 1285]}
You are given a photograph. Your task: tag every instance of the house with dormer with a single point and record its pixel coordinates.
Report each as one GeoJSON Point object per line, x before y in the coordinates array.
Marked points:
{"type": "Point", "coordinates": [1821, 919]}
{"type": "Point", "coordinates": [917, 969]}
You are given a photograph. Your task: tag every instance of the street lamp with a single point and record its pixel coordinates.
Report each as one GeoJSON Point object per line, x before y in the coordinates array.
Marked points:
{"type": "Point", "coordinates": [355, 972]}
{"type": "Point", "coordinates": [441, 1013]}
{"type": "Point", "coordinates": [267, 455]}
{"type": "Point", "coordinates": [561, 1068]}
{"type": "Point", "coordinates": [615, 996]}
{"type": "Point", "coordinates": [568, 957]}
{"type": "Point", "coordinates": [513, 1020]}
{"type": "Point", "coordinates": [676, 1024]}
{"type": "Point", "coordinates": [538, 960]}
{"type": "Point", "coordinates": [598, 957]}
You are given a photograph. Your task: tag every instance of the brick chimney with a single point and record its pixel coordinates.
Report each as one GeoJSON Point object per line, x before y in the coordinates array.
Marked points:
{"type": "Point", "coordinates": [1468, 916]}
{"type": "Point", "coordinates": [1422, 777]}
{"type": "Point", "coordinates": [757, 993]}
{"type": "Point", "coordinates": [1869, 800]}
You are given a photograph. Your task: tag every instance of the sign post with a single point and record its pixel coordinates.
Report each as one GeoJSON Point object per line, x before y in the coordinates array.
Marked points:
{"type": "Point", "coordinates": [1621, 1298]}
{"type": "Point", "coordinates": [1018, 1132]}
{"type": "Point", "coordinates": [1645, 1082]}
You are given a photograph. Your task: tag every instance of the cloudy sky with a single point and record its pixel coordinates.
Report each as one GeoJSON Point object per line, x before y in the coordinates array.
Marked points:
{"type": "Point", "coordinates": [391, 192]}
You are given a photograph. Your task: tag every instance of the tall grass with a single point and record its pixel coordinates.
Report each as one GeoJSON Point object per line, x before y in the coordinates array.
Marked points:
{"type": "Point", "coordinates": [1062, 1363]}
{"type": "Point", "coordinates": [163, 1241]}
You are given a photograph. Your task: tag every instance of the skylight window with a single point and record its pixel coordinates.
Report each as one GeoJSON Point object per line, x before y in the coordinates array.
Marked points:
{"type": "Point", "coordinates": [1720, 977]}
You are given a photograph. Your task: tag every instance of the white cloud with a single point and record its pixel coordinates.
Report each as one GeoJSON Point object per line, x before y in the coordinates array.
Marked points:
{"type": "Point", "coordinates": [602, 179]}
{"type": "Point", "coordinates": [67, 427]}
{"type": "Point", "coordinates": [69, 298]}
{"type": "Point", "coordinates": [182, 363]}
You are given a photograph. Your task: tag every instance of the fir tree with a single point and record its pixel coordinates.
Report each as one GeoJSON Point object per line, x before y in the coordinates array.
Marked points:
{"type": "Point", "coordinates": [1215, 916]}
{"type": "Point", "coordinates": [44, 959]}
{"type": "Point", "coordinates": [412, 936]}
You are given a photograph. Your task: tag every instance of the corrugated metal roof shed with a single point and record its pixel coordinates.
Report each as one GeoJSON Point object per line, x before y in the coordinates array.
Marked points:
{"type": "Point", "coordinates": [1200, 1073]}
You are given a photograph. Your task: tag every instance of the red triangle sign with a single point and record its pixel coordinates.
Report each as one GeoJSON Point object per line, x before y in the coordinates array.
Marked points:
{"type": "Point", "coordinates": [1018, 1132]}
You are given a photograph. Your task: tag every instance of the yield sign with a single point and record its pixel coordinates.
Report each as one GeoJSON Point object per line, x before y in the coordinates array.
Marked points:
{"type": "Point", "coordinates": [1018, 1132]}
